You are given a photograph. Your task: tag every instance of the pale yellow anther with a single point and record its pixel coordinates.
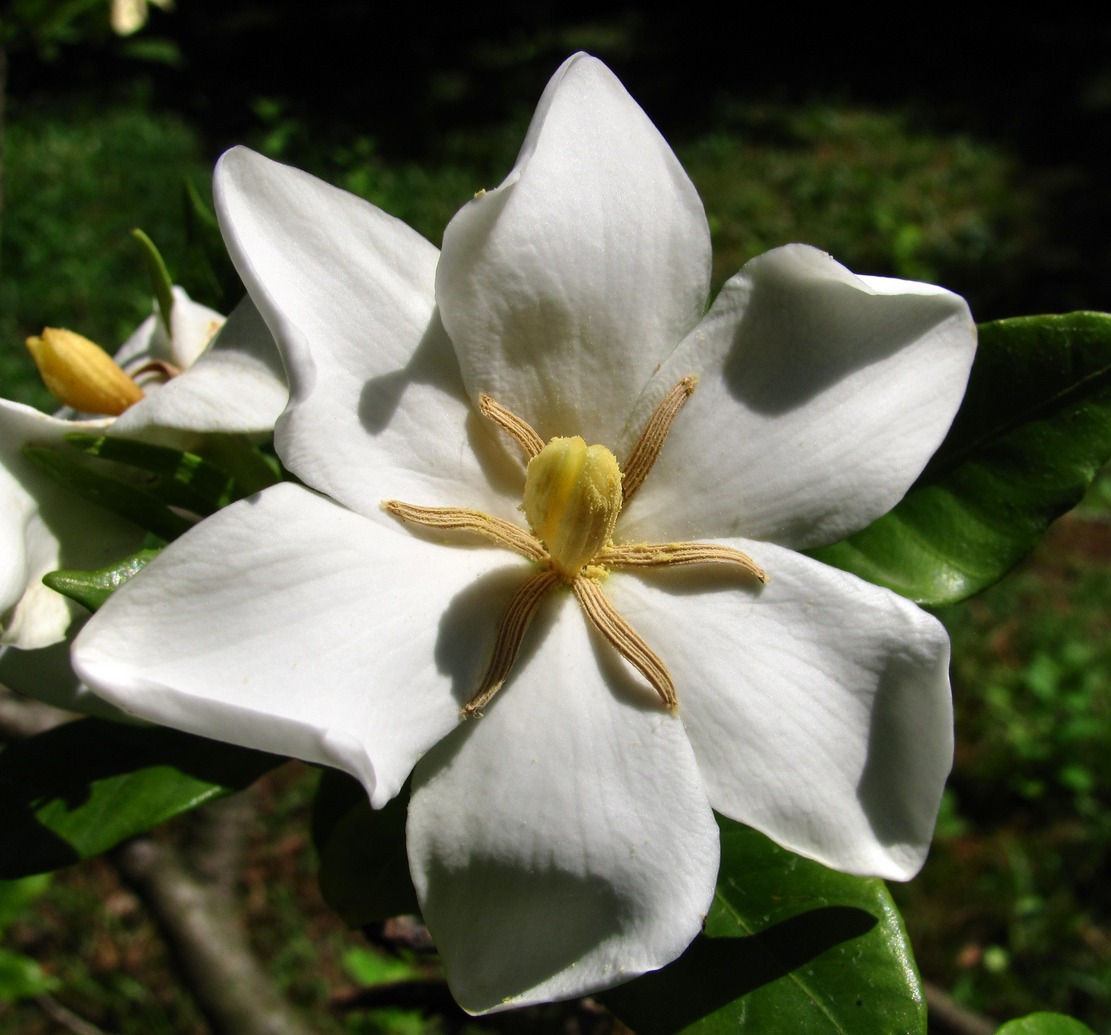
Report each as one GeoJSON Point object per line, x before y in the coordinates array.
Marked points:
{"type": "Point", "coordinates": [572, 499]}
{"type": "Point", "coordinates": [81, 374]}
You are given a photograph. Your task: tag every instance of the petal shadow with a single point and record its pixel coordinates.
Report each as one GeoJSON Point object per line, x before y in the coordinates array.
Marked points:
{"type": "Point", "coordinates": [715, 972]}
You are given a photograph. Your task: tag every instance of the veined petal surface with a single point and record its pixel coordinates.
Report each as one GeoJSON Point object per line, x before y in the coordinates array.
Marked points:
{"type": "Point", "coordinates": [565, 287]}
{"type": "Point", "coordinates": [822, 396]}
{"type": "Point", "coordinates": [561, 843]}
{"type": "Point", "coordinates": [818, 705]}
{"type": "Point", "coordinates": [291, 624]}
{"type": "Point", "coordinates": [377, 409]}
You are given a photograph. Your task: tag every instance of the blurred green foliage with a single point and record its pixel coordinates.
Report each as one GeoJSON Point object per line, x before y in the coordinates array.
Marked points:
{"type": "Point", "coordinates": [875, 191]}
{"type": "Point", "coordinates": [77, 180]}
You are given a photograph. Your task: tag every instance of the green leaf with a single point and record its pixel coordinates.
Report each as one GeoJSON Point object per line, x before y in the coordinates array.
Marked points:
{"type": "Point", "coordinates": [370, 967]}
{"type": "Point", "coordinates": [1033, 431]}
{"type": "Point", "coordinates": [91, 588]}
{"type": "Point", "coordinates": [182, 479]}
{"type": "Point", "coordinates": [789, 945]}
{"type": "Point", "coordinates": [160, 281]}
{"type": "Point", "coordinates": [364, 871]}
{"type": "Point", "coordinates": [1045, 1024]}
{"type": "Point", "coordinates": [82, 788]}
{"type": "Point", "coordinates": [21, 977]}
{"type": "Point", "coordinates": [16, 896]}
{"type": "Point", "coordinates": [118, 497]}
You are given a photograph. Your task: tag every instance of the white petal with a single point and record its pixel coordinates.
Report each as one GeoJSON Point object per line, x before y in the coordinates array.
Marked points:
{"type": "Point", "coordinates": [822, 396]}
{"type": "Point", "coordinates": [46, 675]}
{"type": "Point", "coordinates": [193, 326]}
{"type": "Point", "coordinates": [565, 287]}
{"type": "Point", "coordinates": [562, 842]}
{"type": "Point", "coordinates": [290, 624]}
{"type": "Point", "coordinates": [237, 386]}
{"type": "Point", "coordinates": [44, 527]}
{"type": "Point", "coordinates": [818, 706]}
{"type": "Point", "coordinates": [377, 409]}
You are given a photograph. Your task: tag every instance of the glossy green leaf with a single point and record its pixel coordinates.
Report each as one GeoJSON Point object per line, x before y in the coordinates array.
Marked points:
{"type": "Point", "coordinates": [1045, 1024]}
{"type": "Point", "coordinates": [82, 788]}
{"type": "Point", "coordinates": [91, 588]}
{"type": "Point", "coordinates": [364, 871]}
{"type": "Point", "coordinates": [1033, 431]}
{"type": "Point", "coordinates": [160, 280]}
{"type": "Point", "coordinates": [789, 945]}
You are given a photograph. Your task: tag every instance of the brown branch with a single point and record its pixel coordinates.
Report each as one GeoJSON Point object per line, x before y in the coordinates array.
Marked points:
{"type": "Point", "coordinates": [66, 1018]}
{"type": "Point", "coordinates": [948, 1017]}
{"type": "Point", "coordinates": [213, 848]}
{"type": "Point", "coordinates": [230, 986]}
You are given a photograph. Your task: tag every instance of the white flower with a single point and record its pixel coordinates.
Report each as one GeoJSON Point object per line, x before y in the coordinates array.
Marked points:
{"type": "Point", "coordinates": [564, 841]}
{"type": "Point", "coordinates": [234, 386]}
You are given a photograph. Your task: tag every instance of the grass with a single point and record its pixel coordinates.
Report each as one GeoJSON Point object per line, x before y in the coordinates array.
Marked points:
{"type": "Point", "coordinates": [1011, 912]}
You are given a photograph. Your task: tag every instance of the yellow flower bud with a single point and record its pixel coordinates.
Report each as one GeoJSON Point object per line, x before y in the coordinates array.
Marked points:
{"type": "Point", "coordinates": [572, 499]}
{"type": "Point", "coordinates": [81, 374]}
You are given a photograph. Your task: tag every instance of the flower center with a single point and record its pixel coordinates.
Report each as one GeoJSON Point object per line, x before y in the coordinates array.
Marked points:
{"type": "Point", "coordinates": [572, 499]}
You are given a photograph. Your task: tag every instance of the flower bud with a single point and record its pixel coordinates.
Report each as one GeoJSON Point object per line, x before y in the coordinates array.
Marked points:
{"type": "Point", "coordinates": [572, 499]}
{"type": "Point", "coordinates": [81, 374]}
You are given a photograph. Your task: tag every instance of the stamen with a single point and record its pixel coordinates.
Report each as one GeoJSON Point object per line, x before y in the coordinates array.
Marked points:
{"type": "Point", "coordinates": [504, 533]}
{"type": "Point", "coordinates": [167, 370]}
{"type": "Point", "coordinates": [651, 440]}
{"type": "Point", "coordinates": [661, 555]}
{"type": "Point", "coordinates": [522, 608]}
{"type": "Point", "coordinates": [508, 421]}
{"type": "Point", "coordinates": [625, 640]}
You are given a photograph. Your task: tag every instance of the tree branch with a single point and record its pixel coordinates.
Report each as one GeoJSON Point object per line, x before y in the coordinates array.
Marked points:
{"type": "Point", "coordinates": [231, 988]}
{"type": "Point", "coordinates": [948, 1017]}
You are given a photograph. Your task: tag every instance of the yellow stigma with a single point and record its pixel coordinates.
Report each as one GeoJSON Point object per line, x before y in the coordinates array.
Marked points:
{"type": "Point", "coordinates": [81, 374]}
{"type": "Point", "coordinates": [572, 499]}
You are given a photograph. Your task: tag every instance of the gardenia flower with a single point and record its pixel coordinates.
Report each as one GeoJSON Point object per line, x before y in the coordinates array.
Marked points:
{"type": "Point", "coordinates": [230, 382]}
{"type": "Point", "coordinates": [574, 690]}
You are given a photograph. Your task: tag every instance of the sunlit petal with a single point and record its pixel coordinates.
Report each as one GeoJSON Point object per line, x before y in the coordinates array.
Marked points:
{"type": "Point", "coordinates": [818, 704]}
{"type": "Point", "coordinates": [822, 396]}
{"type": "Point", "coordinates": [562, 842]}
{"type": "Point", "coordinates": [377, 409]}
{"type": "Point", "coordinates": [564, 288]}
{"type": "Point", "coordinates": [347, 653]}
